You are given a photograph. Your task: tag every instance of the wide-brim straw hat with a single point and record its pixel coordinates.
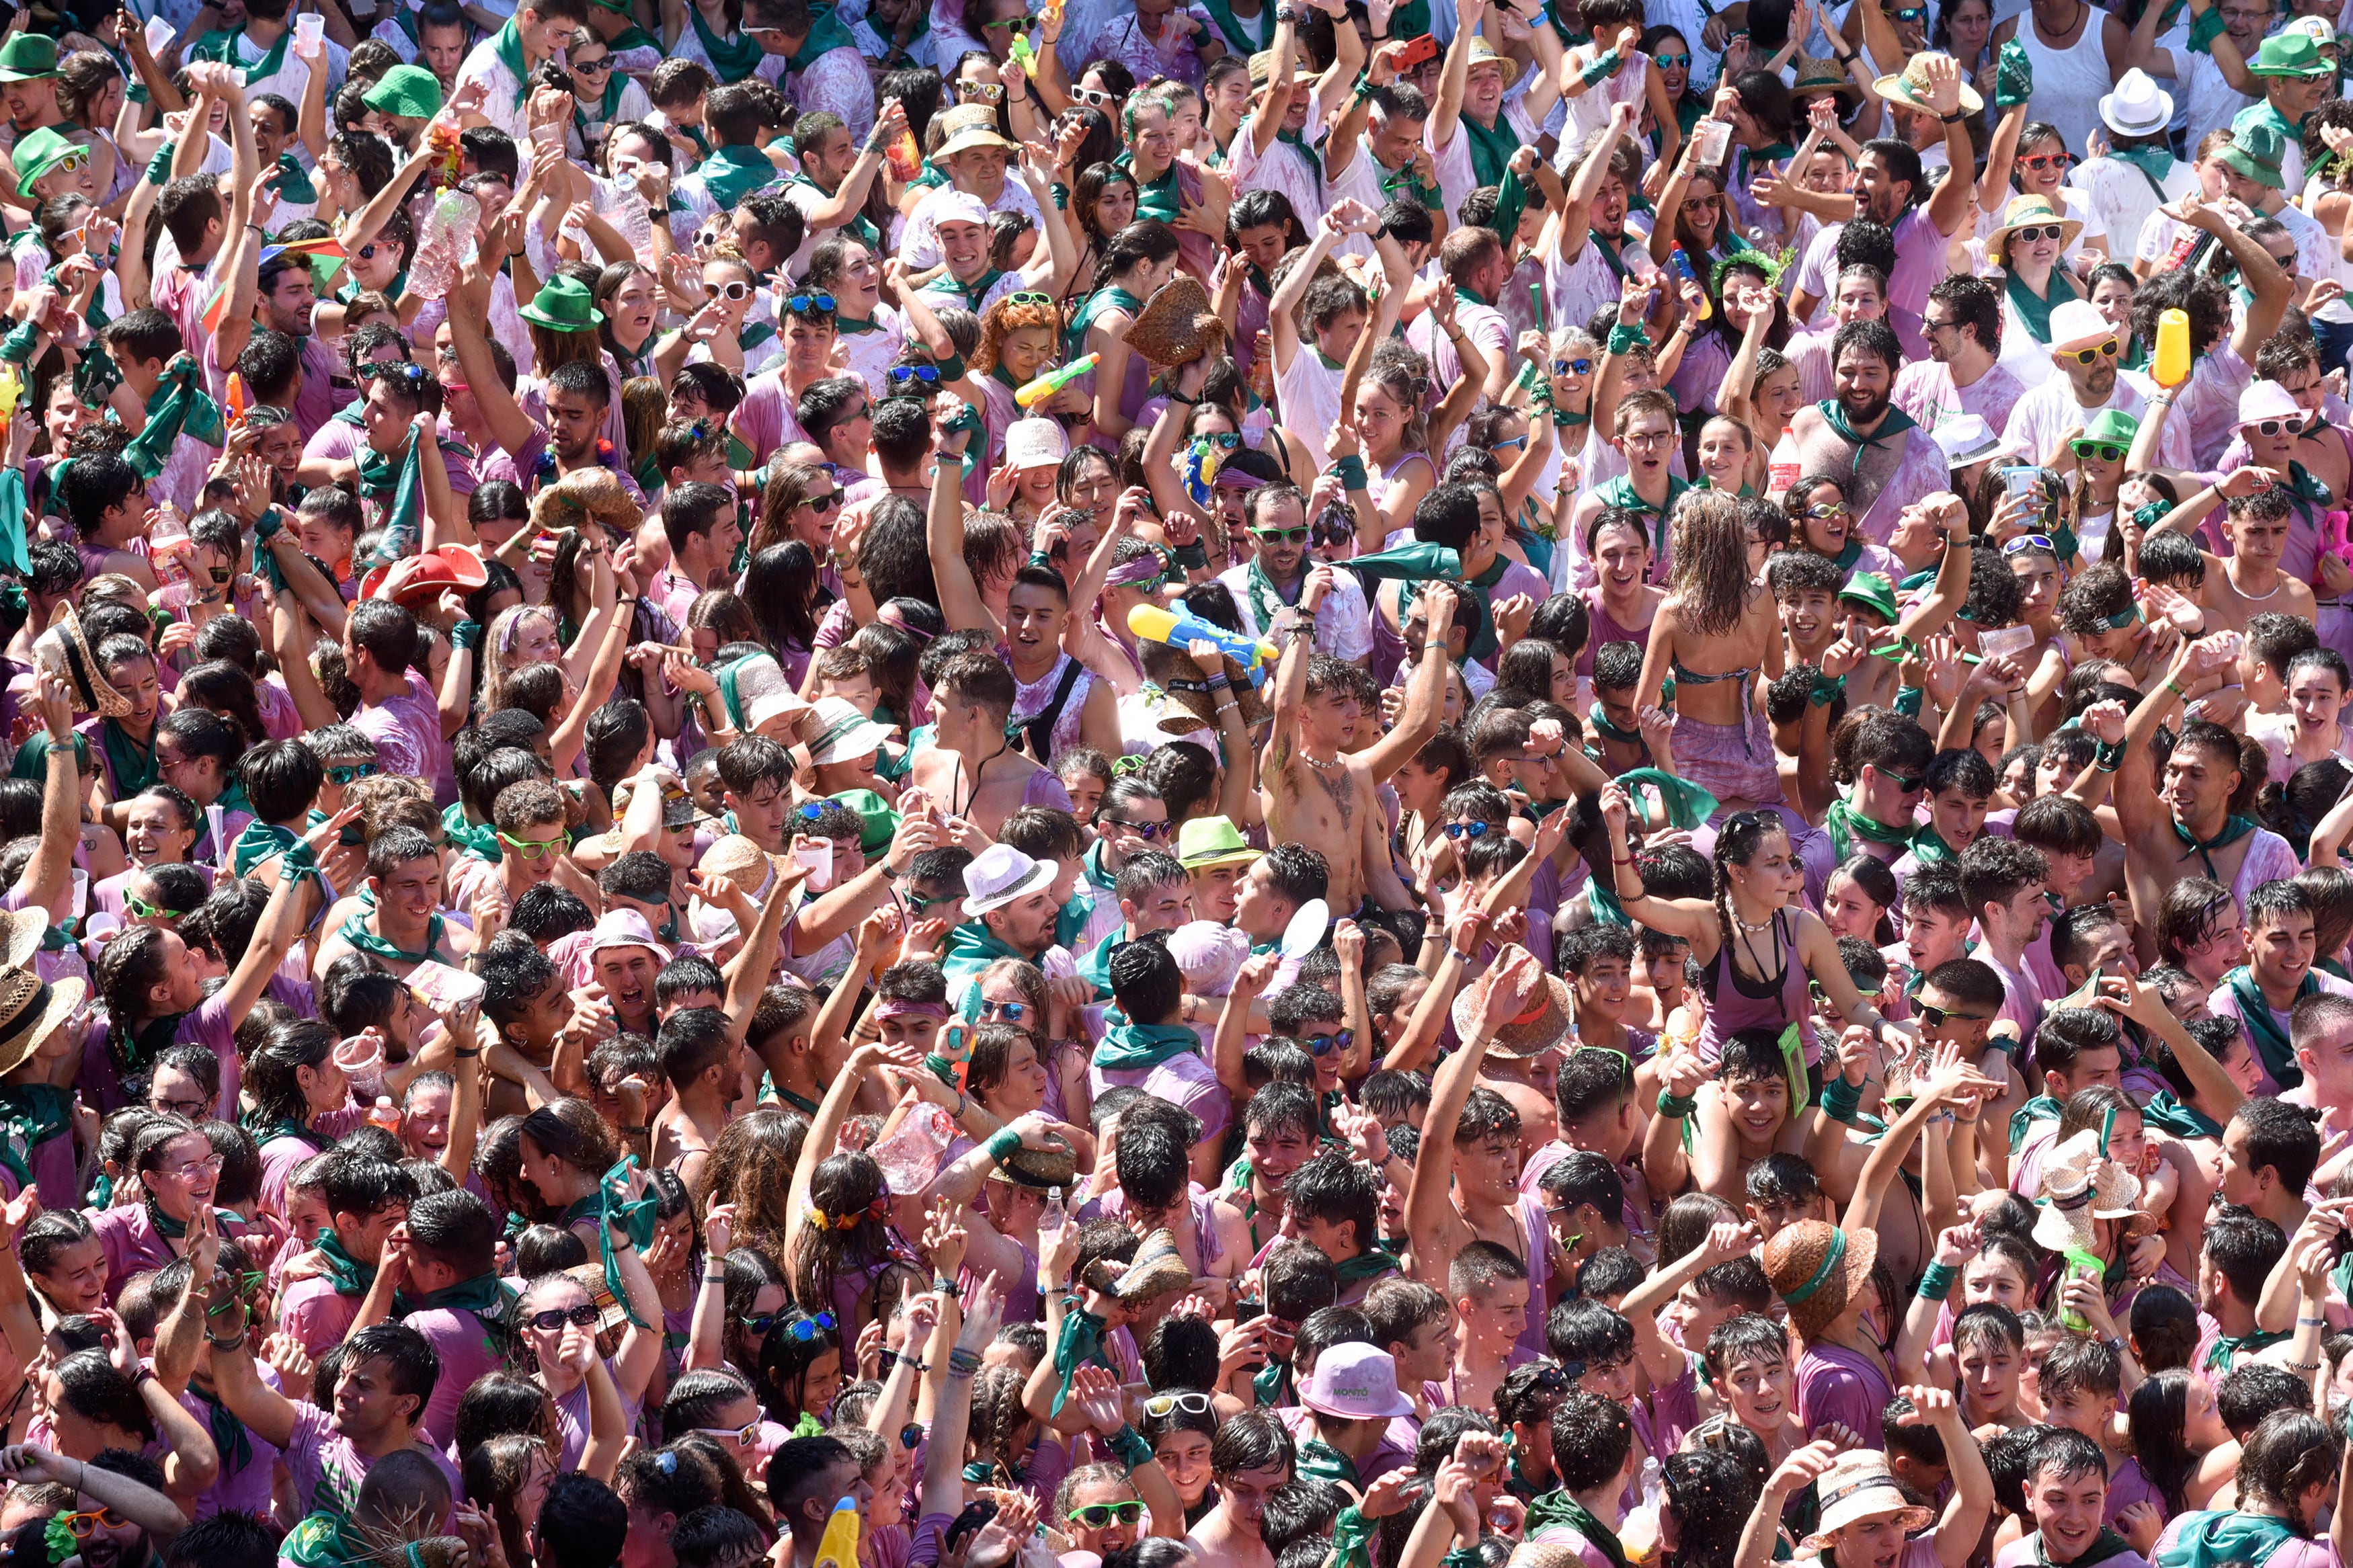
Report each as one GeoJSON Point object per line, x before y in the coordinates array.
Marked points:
{"type": "Point", "coordinates": [2029, 212]}
{"type": "Point", "coordinates": [583, 495]}
{"type": "Point", "coordinates": [1543, 1024]}
{"type": "Point", "coordinates": [1910, 86]}
{"type": "Point", "coordinates": [970, 125]}
{"type": "Point", "coordinates": [1858, 1486]}
{"type": "Point", "coordinates": [1040, 1169]}
{"type": "Point", "coordinates": [1482, 53]}
{"type": "Point", "coordinates": [1824, 75]}
{"type": "Point", "coordinates": [1190, 705]}
{"type": "Point", "coordinates": [30, 1009]}
{"type": "Point", "coordinates": [1261, 70]}
{"type": "Point", "coordinates": [1177, 325]}
{"type": "Point", "coordinates": [1818, 1269]}
{"type": "Point", "coordinates": [1157, 1270]}
{"type": "Point", "coordinates": [2081, 1184]}
{"type": "Point", "coordinates": [64, 652]}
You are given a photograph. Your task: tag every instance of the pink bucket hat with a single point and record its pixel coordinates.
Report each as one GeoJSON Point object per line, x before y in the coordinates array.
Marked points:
{"type": "Point", "coordinates": [1355, 1382]}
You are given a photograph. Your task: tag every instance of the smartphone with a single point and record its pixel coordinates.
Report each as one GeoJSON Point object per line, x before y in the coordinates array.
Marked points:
{"type": "Point", "coordinates": [1245, 1310]}
{"type": "Point", "coordinates": [1417, 50]}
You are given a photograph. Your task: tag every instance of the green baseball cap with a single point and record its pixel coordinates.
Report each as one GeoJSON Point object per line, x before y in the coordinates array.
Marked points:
{"type": "Point", "coordinates": [1873, 592]}
{"type": "Point", "coordinates": [412, 92]}
{"type": "Point", "coordinates": [38, 152]}
{"type": "Point", "coordinates": [28, 57]}
{"type": "Point", "coordinates": [563, 305]}
{"type": "Point", "coordinates": [1207, 841]}
{"type": "Point", "coordinates": [2254, 149]}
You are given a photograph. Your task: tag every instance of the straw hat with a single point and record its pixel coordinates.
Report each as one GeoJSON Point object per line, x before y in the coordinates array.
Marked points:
{"type": "Point", "coordinates": [2081, 1184]}
{"type": "Point", "coordinates": [584, 494]}
{"type": "Point", "coordinates": [2030, 212]}
{"type": "Point", "coordinates": [1482, 53]}
{"type": "Point", "coordinates": [1040, 1169]}
{"type": "Point", "coordinates": [1859, 1486]}
{"type": "Point", "coordinates": [1190, 705]}
{"type": "Point", "coordinates": [1544, 1025]}
{"type": "Point", "coordinates": [64, 652]}
{"type": "Point", "coordinates": [1816, 1269]}
{"type": "Point", "coordinates": [1158, 1270]}
{"type": "Point", "coordinates": [742, 862]}
{"type": "Point", "coordinates": [1824, 75]}
{"type": "Point", "coordinates": [1261, 70]}
{"type": "Point", "coordinates": [1910, 89]}
{"type": "Point", "coordinates": [31, 1010]}
{"type": "Point", "coordinates": [844, 734]}
{"type": "Point", "coordinates": [1176, 325]}
{"type": "Point", "coordinates": [971, 125]}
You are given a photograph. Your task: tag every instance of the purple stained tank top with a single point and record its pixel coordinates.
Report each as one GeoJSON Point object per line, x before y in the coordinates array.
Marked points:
{"type": "Point", "coordinates": [1736, 1002]}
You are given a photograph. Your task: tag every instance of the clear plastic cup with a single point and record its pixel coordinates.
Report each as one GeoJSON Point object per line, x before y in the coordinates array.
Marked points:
{"type": "Point", "coordinates": [310, 28]}
{"type": "Point", "coordinates": [1714, 140]}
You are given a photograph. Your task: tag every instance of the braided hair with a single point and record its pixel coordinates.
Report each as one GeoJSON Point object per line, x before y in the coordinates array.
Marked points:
{"type": "Point", "coordinates": [135, 962]}
{"type": "Point", "coordinates": [997, 1419]}
{"type": "Point", "coordinates": [1736, 843]}
{"type": "Point", "coordinates": [155, 1134]}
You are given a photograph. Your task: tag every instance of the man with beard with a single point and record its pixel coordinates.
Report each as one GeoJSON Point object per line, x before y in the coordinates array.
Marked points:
{"type": "Point", "coordinates": [1963, 325]}
{"type": "Point", "coordinates": [118, 1497]}
{"type": "Point", "coordinates": [578, 398]}
{"type": "Point", "coordinates": [1895, 462]}
{"type": "Point", "coordinates": [1272, 579]}
{"type": "Point", "coordinates": [1888, 185]}
{"type": "Point", "coordinates": [1379, 137]}
{"type": "Point", "coordinates": [1008, 912]}
{"type": "Point", "coordinates": [28, 83]}
{"type": "Point", "coordinates": [283, 304]}
{"type": "Point", "coordinates": [404, 928]}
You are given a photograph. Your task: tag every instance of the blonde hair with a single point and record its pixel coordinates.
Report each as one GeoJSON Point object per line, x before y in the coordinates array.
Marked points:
{"type": "Point", "coordinates": [505, 633]}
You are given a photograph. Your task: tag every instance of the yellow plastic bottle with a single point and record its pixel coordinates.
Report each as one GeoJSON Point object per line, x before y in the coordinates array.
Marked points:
{"type": "Point", "coordinates": [839, 1547]}
{"type": "Point", "coordinates": [2170, 366]}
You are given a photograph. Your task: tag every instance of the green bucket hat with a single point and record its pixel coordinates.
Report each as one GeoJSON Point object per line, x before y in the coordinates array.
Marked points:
{"type": "Point", "coordinates": [2254, 149]}
{"type": "Point", "coordinates": [2111, 427]}
{"type": "Point", "coordinates": [411, 92]}
{"type": "Point", "coordinates": [2288, 54]}
{"type": "Point", "coordinates": [1207, 841]}
{"type": "Point", "coordinates": [1873, 592]}
{"type": "Point", "coordinates": [28, 57]}
{"type": "Point", "coordinates": [562, 305]}
{"type": "Point", "coordinates": [878, 824]}
{"type": "Point", "coordinates": [38, 152]}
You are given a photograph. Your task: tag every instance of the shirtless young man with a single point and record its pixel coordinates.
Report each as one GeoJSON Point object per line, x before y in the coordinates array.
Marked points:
{"type": "Point", "coordinates": [1315, 791]}
{"type": "Point", "coordinates": [2257, 516]}
{"type": "Point", "coordinates": [970, 767]}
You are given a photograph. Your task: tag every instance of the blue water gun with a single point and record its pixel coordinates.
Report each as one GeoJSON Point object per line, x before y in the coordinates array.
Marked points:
{"type": "Point", "coordinates": [1153, 624]}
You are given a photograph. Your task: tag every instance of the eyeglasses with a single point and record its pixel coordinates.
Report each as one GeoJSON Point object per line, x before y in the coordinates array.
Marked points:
{"type": "Point", "coordinates": [733, 290]}
{"type": "Point", "coordinates": [208, 1167]}
{"type": "Point", "coordinates": [1903, 785]}
{"type": "Point", "coordinates": [987, 91]}
{"type": "Point", "coordinates": [1325, 1044]}
{"type": "Point", "coordinates": [1466, 830]}
{"type": "Point", "coordinates": [1147, 831]}
{"type": "Point", "coordinates": [2085, 356]}
{"type": "Point", "coordinates": [743, 1436]}
{"type": "Point", "coordinates": [1094, 97]}
{"type": "Point", "coordinates": [806, 304]}
{"type": "Point", "coordinates": [1672, 62]}
{"type": "Point", "coordinates": [1009, 1012]}
{"type": "Point", "coordinates": [1280, 535]}
{"type": "Point", "coordinates": [600, 65]}
{"type": "Point", "coordinates": [2030, 542]}
{"type": "Point", "coordinates": [1030, 297]}
{"type": "Point", "coordinates": [2274, 426]}
{"type": "Point", "coordinates": [536, 849]}
{"type": "Point", "coordinates": [2033, 232]}
{"type": "Point", "coordinates": [1936, 1017]}
{"type": "Point", "coordinates": [1162, 1405]}
{"type": "Point", "coordinates": [899, 374]}
{"type": "Point", "coordinates": [140, 909]}
{"type": "Point", "coordinates": [583, 1316]}
{"type": "Point", "coordinates": [2107, 451]}
{"type": "Point", "coordinates": [191, 1108]}
{"type": "Point", "coordinates": [220, 575]}
{"type": "Point", "coordinates": [350, 775]}
{"type": "Point", "coordinates": [822, 504]}
{"type": "Point", "coordinates": [2047, 160]}
{"type": "Point", "coordinates": [1096, 1515]}
{"type": "Point", "coordinates": [85, 1525]}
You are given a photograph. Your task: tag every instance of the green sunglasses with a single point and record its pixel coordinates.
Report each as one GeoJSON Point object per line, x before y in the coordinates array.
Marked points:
{"type": "Point", "coordinates": [2107, 451]}
{"type": "Point", "coordinates": [140, 909]}
{"type": "Point", "coordinates": [1286, 535]}
{"type": "Point", "coordinates": [536, 848]}
{"type": "Point", "coordinates": [1096, 1515]}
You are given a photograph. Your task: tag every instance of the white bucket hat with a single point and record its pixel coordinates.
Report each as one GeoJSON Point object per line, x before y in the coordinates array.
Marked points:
{"type": "Point", "coordinates": [1966, 438]}
{"type": "Point", "coordinates": [2138, 107]}
{"type": "Point", "coordinates": [999, 876]}
{"type": "Point", "coordinates": [2267, 400]}
{"type": "Point", "coordinates": [1035, 444]}
{"type": "Point", "coordinates": [843, 734]}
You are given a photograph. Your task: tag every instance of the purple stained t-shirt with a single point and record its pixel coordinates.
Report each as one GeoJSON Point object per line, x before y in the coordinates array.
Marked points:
{"type": "Point", "coordinates": [458, 1338]}
{"type": "Point", "coordinates": [406, 730]}
{"type": "Point", "coordinates": [1836, 1385]}
{"type": "Point", "coordinates": [327, 1468]}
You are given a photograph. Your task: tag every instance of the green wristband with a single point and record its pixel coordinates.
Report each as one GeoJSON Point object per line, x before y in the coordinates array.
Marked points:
{"type": "Point", "coordinates": [942, 1068]}
{"type": "Point", "coordinates": [1605, 65]}
{"type": "Point", "coordinates": [1676, 1107]}
{"type": "Point", "coordinates": [466, 634]}
{"type": "Point", "coordinates": [1352, 473]}
{"type": "Point", "coordinates": [1936, 1281]}
{"type": "Point", "coordinates": [2108, 758]}
{"type": "Point", "coordinates": [1826, 689]}
{"type": "Point", "coordinates": [1841, 1100]}
{"type": "Point", "coordinates": [17, 348]}
{"type": "Point", "coordinates": [159, 167]}
{"type": "Point", "coordinates": [1129, 1444]}
{"type": "Point", "coordinates": [1624, 339]}
{"type": "Point", "coordinates": [1002, 1145]}
{"type": "Point", "coordinates": [266, 526]}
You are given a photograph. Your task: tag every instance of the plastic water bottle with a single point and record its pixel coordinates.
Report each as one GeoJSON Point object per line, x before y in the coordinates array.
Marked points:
{"type": "Point", "coordinates": [386, 1115]}
{"type": "Point", "coordinates": [1049, 1230]}
{"type": "Point", "coordinates": [1639, 1536]}
{"type": "Point", "coordinates": [1785, 467]}
{"type": "Point", "coordinates": [435, 270]}
{"type": "Point", "coordinates": [169, 547]}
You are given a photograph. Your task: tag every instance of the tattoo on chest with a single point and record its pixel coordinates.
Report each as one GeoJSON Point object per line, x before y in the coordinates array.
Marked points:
{"type": "Point", "coordinates": [1342, 791]}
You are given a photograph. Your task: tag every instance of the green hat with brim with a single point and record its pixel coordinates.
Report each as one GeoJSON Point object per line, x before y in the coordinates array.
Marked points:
{"type": "Point", "coordinates": [2255, 152]}
{"type": "Point", "coordinates": [28, 57]}
{"type": "Point", "coordinates": [1207, 841]}
{"type": "Point", "coordinates": [2111, 427]}
{"type": "Point", "coordinates": [1872, 591]}
{"type": "Point", "coordinates": [36, 152]}
{"type": "Point", "coordinates": [878, 824]}
{"type": "Point", "coordinates": [411, 92]}
{"type": "Point", "coordinates": [2289, 54]}
{"type": "Point", "coordinates": [562, 305]}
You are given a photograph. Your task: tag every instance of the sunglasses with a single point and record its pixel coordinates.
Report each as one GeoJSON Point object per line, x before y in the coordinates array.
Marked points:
{"type": "Point", "coordinates": [1466, 830]}
{"type": "Point", "coordinates": [2035, 231]}
{"type": "Point", "coordinates": [743, 1436]}
{"type": "Point", "coordinates": [1325, 1044]}
{"type": "Point", "coordinates": [220, 575]}
{"type": "Point", "coordinates": [806, 304]}
{"type": "Point", "coordinates": [367, 251]}
{"type": "Point", "coordinates": [2085, 356]}
{"type": "Point", "coordinates": [1672, 62]}
{"type": "Point", "coordinates": [2107, 451]}
{"type": "Point", "coordinates": [911, 1433]}
{"type": "Point", "coordinates": [2046, 160]}
{"type": "Point", "coordinates": [1162, 1404]}
{"type": "Point", "coordinates": [355, 771]}
{"type": "Point", "coordinates": [805, 1329]}
{"type": "Point", "coordinates": [1912, 13]}
{"type": "Point", "coordinates": [987, 91]}
{"type": "Point", "coordinates": [1280, 535]}
{"type": "Point", "coordinates": [824, 503]}
{"type": "Point", "coordinates": [734, 288]}
{"type": "Point", "coordinates": [600, 65]}
{"type": "Point", "coordinates": [1827, 511]}
{"type": "Point", "coordinates": [1092, 97]}
{"type": "Point", "coordinates": [140, 909]}
{"type": "Point", "coordinates": [536, 849]}
{"type": "Point", "coordinates": [72, 163]}
{"type": "Point", "coordinates": [1009, 1012]}
{"type": "Point", "coordinates": [85, 1525]}
{"type": "Point", "coordinates": [1096, 1515]}
{"type": "Point", "coordinates": [1226, 440]}
{"type": "Point", "coordinates": [1571, 366]}
{"type": "Point", "coordinates": [1030, 297]}
{"type": "Point", "coordinates": [899, 374]}
{"type": "Point", "coordinates": [2275, 427]}
{"type": "Point", "coordinates": [1147, 831]}
{"type": "Point", "coordinates": [2030, 542]}
{"type": "Point", "coordinates": [583, 1316]}
{"type": "Point", "coordinates": [1936, 1017]}
{"type": "Point", "coordinates": [1019, 24]}
{"type": "Point", "coordinates": [1508, 443]}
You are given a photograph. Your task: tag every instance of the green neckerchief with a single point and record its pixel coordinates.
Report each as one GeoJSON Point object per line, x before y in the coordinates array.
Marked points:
{"type": "Point", "coordinates": [972, 295]}
{"type": "Point", "coordinates": [350, 1276]}
{"type": "Point", "coordinates": [1607, 728]}
{"type": "Point", "coordinates": [263, 1132]}
{"type": "Point", "coordinates": [356, 933]}
{"type": "Point", "coordinates": [485, 1295]}
{"type": "Point", "coordinates": [805, 1107]}
{"type": "Point", "coordinates": [133, 765]}
{"type": "Point", "coordinates": [752, 334]}
{"type": "Point", "coordinates": [1603, 904]}
{"type": "Point", "coordinates": [1415, 563]}
{"type": "Point", "coordinates": [1243, 39]}
{"type": "Point", "coordinates": [1893, 423]}
{"type": "Point", "coordinates": [1110, 296]}
{"type": "Point", "coordinates": [1269, 1383]}
{"type": "Point", "coordinates": [176, 1228]}
{"type": "Point", "coordinates": [973, 947]}
{"type": "Point", "coordinates": [324, 1540]}
{"type": "Point", "coordinates": [94, 313]}
{"type": "Point", "coordinates": [2042, 1108]}
{"type": "Point", "coordinates": [1136, 1048]}
{"type": "Point", "coordinates": [481, 843]}
{"type": "Point", "coordinates": [1929, 849]}
{"type": "Point", "coordinates": [2171, 1115]}
{"type": "Point", "coordinates": [12, 554]}
{"type": "Point", "coordinates": [825, 35]}
{"type": "Point", "coordinates": [1848, 822]}
{"type": "Point", "coordinates": [507, 44]}
{"type": "Point", "coordinates": [2212, 1539]}
{"type": "Point", "coordinates": [1557, 1508]}
{"type": "Point", "coordinates": [30, 1115]}
{"type": "Point", "coordinates": [1491, 149]}
{"type": "Point", "coordinates": [1352, 1538]}
{"type": "Point", "coordinates": [1294, 140]}
{"type": "Point", "coordinates": [221, 47]}
{"type": "Point", "coordinates": [730, 699]}
{"type": "Point", "coordinates": [2233, 829]}
{"type": "Point", "coordinates": [1079, 1342]}
{"type": "Point", "coordinates": [2104, 1545]}
{"type": "Point", "coordinates": [2226, 1347]}
{"type": "Point", "coordinates": [1318, 1460]}
{"type": "Point", "coordinates": [611, 1204]}
{"type": "Point", "coordinates": [1266, 599]}
{"type": "Point", "coordinates": [1161, 198]}
{"type": "Point", "coordinates": [400, 484]}
{"type": "Point", "coordinates": [176, 408]}
{"type": "Point", "coordinates": [731, 174]}
{"type": "Point", "coordinates": [294, 184]}
{"type": "Point", "coordinates": [1370, 1263]}
{"type": "Point", "coordinates": [2036, 312]}
{"type": "Point", "coordinates": [1620, 492]}
{"type": "Point", "coordinates": [2154, 164]}
{"type": "Point", "coordinates": [2278, 1056]}
{"type": "Point", "coordinates": [231, 1440]}
{"type": "Point", "coordinates": [1845, 558]}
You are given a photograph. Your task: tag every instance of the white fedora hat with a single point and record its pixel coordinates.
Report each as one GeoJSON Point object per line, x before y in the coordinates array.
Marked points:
{"type": "Point", "coordinates": [1966, 438]}
{"type": "Point", "coordinates": [2138, 107]}
{"type": "Point", "coordinates": [999, 876]}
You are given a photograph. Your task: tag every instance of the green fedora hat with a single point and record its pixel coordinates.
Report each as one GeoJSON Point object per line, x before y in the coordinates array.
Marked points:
{"type": "Point", "coordinates": [2288, 54]}
{"type": "Point", "coordinates": [412, 92]}
{"type": "Point", "coordinates": [562, 305]}
{"type": "Point", "coordinates": [1209, 841]}
{"type": "Point", "coordinates": [1873, 592]}
{"type": "Point", "coordinates": [28, 57]}
{"type": "Point", "coordinates": [2111, 427]}
{"type": "Point", "coordinates": [2254, 149]}
{"type": "Point", "coordinates": [38, 152]}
